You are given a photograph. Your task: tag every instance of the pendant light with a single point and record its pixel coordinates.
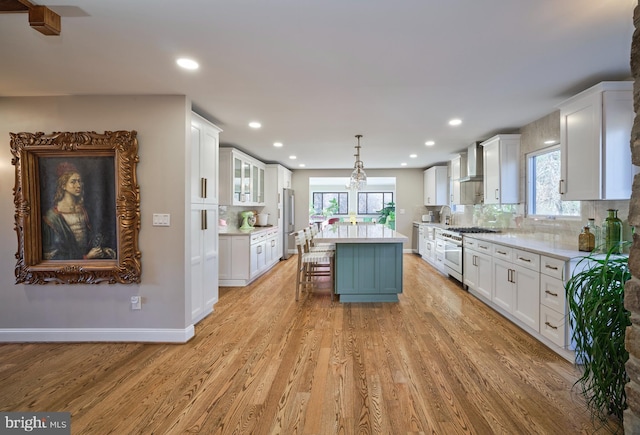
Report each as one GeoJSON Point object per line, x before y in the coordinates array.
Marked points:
{"type": "Point", "coordinates": [358, 176]}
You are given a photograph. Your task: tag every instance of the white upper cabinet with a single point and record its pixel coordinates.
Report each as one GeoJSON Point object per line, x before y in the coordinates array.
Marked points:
{"type": "Point", "coordinates": [455, 180]}
{"type": "Point", "coordinates": [241, 178]}
{"type": "Point", "coordinates": [436, 186]}
{"type": "Point", "coordinates": [204, 161]}
{"type": "Point", "coordinates": [595, 132]}
{"type": "Point", "coordinates": [501, 166]}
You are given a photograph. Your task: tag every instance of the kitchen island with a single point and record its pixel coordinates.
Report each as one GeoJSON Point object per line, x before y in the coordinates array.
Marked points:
{"type": "Point", "coordinates": [368, 261]}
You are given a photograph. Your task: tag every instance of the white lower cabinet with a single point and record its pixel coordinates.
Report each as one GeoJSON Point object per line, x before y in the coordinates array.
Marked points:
{"type": "Point", "coordinates": [554, 312]}
{"type": "Point", "coordinates": [526, 304]}
{"type": "Point", "coordinates": [502, 294]}
{"type": "Point", "coordinates": [526, 287]}
{"type": "Point", "coordinates": [243, 258]}
{"type": "Point", "coordinates": [477, 264]}
{"type": "Point", "coordinates": [516, 287]}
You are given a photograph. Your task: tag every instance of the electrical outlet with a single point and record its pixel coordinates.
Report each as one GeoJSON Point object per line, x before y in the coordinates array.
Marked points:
{"type": "Point", "coordinates": [136, 303]}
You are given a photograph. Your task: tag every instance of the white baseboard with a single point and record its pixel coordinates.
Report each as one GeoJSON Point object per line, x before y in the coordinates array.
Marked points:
{"type": "Point", "coordinates": [44, 335]}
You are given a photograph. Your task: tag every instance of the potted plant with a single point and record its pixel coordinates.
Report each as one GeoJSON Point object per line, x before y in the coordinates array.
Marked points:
{"type": "Point", "coordinates": [387, 214]}
{"type": "Point", "coordinates": [332, 209]}
{"type": "Point", "coordinates": [595, 295]}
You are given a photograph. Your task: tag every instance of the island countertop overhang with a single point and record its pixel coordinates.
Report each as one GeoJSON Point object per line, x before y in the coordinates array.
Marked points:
{"type": "Point", "coordinates": [360, 233]}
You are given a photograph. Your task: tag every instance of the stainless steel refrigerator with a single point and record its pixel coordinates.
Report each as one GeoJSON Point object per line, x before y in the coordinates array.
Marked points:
{"type": "Point", "coordinates": [288, 222]}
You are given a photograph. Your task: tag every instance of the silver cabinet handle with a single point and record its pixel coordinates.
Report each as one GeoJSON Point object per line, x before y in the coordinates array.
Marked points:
{"type": "Point", "coordinates": [497, 194]}
{"type": "Point", "coordinates": [560, 187]}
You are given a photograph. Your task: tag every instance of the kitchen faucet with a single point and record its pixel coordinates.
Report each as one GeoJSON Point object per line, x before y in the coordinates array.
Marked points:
{"type": "Point", "coordinates": [446, 217]}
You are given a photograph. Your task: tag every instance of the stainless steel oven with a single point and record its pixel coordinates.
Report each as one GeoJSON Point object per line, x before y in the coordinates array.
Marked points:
{"type": "Point", "coordinates": [452, 253]}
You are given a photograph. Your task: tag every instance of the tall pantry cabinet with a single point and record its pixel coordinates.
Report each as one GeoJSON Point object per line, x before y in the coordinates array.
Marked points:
{"type": "Point", "coordinates": [202, 229]}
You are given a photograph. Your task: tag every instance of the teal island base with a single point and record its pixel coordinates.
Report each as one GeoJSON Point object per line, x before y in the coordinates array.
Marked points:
{"type": "Point", "coordinates": [368, 272]}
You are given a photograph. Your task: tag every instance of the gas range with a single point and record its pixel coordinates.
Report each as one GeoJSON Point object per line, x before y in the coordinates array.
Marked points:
{"type": "Point", "coordinates": [464, 230]}
{"type": "Point", "coordinates": [455, 233]}
{"type": "Point", "coordinates": [452, 238]}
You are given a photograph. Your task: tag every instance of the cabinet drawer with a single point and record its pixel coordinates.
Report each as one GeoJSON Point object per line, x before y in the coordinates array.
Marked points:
{"type": "Point", "coordinates": [552, 325]}
{"type": "Point", "coordinates": [470, 243]}
{"type": "Point", "coordinates": [552, 293]}
{"type": "Point", "coordinates": [503, 252]}
{"type": "Point", "coordinates": [482, 246]}
{"type": "Point", "coordinates": [526, 259]}
{"type": "Point", "coordinates": [256, 238]}
{"type": "Point", "coordinates": [552, 267]}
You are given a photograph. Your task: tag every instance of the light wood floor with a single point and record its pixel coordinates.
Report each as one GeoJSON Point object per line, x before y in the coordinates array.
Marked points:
{"type": "Point", "coordinates": [437, 362]}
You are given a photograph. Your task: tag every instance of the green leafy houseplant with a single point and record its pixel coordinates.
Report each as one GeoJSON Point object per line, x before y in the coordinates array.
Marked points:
{"type": "Point", "coordinates": [332, 209]}
{"type": "Point", "coordinates": [595, 294]}
{"type": "Point", "coordinates": [389, 209]}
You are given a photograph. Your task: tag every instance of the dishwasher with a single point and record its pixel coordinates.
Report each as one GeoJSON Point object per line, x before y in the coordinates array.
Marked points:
{"type": "Point", "coordinates": [415, 238]}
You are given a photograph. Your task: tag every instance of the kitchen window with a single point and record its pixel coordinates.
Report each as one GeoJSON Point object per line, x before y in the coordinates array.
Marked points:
{"type": "Point", "coordinates": [543, 180]}
{"type": "Point", "coordinates": [325, 200]}
{"type": "Point", "coordinates": [373, 202]}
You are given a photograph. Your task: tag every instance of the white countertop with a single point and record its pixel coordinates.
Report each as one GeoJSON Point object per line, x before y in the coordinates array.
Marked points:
{"type": "Point", "coordinates": [360, 233]}
{"type": "Point", "coordinates": [228, 231]}
{"type": "Point", "coordinates": [532, 243]}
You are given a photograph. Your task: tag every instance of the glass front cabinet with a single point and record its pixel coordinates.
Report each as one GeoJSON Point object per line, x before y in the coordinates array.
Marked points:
{"type": "Point", "coordinates": [241, 178]}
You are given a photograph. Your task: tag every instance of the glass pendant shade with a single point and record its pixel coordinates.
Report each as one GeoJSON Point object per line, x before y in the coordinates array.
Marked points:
{"type": "Point", "coordinates": [358, 177]}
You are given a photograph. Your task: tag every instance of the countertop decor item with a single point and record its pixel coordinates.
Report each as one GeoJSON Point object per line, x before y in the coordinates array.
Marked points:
{"type": "Point", "coordinates": [263, 219]}
{"type": "Point", "coordinates": [595, 294]}
{"type": "Point", "coordinates": [586, 240]}
{"type": "Point", "coordinates": [246, 216]}
{"type": "Point", "coordinates": [612, 232]}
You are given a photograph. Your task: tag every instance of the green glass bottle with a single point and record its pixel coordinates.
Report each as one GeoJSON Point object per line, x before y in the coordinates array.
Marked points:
{"type": "Point", "coordinates": [612, 232]}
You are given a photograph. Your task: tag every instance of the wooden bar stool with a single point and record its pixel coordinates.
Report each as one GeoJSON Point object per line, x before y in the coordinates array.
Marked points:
{"type": "Point", "coordinates": [312, 264]}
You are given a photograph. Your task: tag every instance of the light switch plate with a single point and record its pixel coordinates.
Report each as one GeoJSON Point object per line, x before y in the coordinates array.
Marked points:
{"type": "Point", "coordinates": [161, 219]}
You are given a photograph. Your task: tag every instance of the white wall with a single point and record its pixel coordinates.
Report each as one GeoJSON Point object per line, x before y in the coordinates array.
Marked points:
{"type": "Point", "coordinates": [162, 126]}
{"type": "Point", "coordinates": [409, 196]}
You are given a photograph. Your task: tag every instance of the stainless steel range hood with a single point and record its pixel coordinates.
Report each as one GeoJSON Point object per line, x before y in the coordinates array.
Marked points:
{"type": "Point", "coordinates": [474, 163]}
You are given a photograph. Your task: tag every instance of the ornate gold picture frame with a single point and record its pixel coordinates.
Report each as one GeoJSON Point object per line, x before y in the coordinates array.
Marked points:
{"type": "Point", "coordinates": [77, 207]}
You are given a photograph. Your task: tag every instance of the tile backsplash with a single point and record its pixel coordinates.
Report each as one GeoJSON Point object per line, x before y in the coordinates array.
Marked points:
{"type": "Point", "coordinates": [231, 215]}
{"type": "Point", "coordinates": [562, 230]}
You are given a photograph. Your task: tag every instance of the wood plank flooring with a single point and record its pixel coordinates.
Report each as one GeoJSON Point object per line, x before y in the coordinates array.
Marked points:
{"type": "Point", "coordinates": [437, 362]}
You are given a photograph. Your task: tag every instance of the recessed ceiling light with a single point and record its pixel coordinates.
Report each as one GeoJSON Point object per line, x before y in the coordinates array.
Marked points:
{"type": "Point", "coordinates": [277, 144]}
{"type": "Point", "coordinates": [455, 122]}
{"type": "Point", "coordinates": [302, 165]}
{"type": "Point", "coordinates": [429, 143]}
{"type": "Point", "coordinates": [185, 63]}
{"type": "Point", "coordinates": [255, 124]}
{"type": "Point", "coordinates": [292, 157]}
{"type": "Point", "coordinates": [403, 164]}
{"type": "Point", "coordinates": [413, 156]}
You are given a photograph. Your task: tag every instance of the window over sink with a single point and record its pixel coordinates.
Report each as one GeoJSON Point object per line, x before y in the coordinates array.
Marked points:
{"type": "Point", "coordinates": [543, 180]}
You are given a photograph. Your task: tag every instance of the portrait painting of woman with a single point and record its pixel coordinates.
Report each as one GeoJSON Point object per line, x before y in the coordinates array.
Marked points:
{"type": "Point", "coordinates": [78, 204]}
